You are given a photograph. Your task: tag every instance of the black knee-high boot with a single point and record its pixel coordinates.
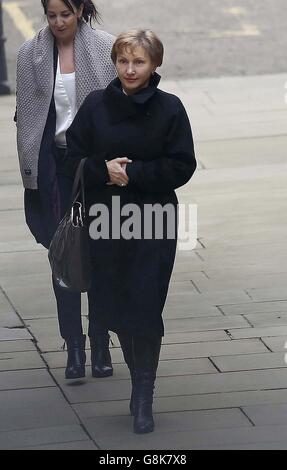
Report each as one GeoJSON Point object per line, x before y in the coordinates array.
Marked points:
{"type": "Point", "coordinates": [127, 348]}
{"type": "Point", "coordinates": [146, 356]}
{"type": "Point", "coordinates": [76, 357]}
{"type": "Point", "coordinates": [100, 355]}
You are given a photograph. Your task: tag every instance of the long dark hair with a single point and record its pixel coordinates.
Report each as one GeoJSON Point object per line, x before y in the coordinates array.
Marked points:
{"type": "Point", "coordinates": [90, 12]}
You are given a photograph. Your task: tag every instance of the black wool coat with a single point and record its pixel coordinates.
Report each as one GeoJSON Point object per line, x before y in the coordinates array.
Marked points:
{"type": "Point", "coordinates": [151, 127]}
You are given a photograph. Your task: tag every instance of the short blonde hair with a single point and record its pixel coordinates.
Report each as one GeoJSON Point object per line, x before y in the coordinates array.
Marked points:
{"type": "Point", "coordinates": [139, 37]}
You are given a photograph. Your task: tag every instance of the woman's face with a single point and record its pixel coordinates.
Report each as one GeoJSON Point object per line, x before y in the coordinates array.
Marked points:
{"type": "Point", "coordinates": [134, 67]}
{"type": "Point", "coordinates": [63, 23]}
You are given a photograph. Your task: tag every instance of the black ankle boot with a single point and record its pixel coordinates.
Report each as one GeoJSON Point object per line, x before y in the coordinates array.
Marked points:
{"type": "Point", "coordinates": [100, 356]}
{"type": "Point", "coordinates": [146, 356]}
{"type": "Point", "coordinates": [76, 358]}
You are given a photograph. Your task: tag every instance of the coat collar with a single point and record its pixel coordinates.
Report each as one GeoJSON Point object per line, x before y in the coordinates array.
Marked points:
{"type": "Point", "coordinates": [88, 50]}
{"type": "Point", "coordinates": [121, 106]}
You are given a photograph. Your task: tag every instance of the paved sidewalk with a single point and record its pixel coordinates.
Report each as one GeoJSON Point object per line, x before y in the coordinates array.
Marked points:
{"type": "Point", "coordinates": [222, 379]}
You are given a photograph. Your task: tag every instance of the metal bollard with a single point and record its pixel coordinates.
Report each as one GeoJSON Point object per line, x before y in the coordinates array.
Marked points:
{"type": "Point", "coordinates": [4, 88]}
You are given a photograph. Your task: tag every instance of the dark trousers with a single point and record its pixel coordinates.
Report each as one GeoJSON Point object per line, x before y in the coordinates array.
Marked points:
{"type": "Point", "coordinates": [69, 314]}
{"type": "Point", "coordinates": [69, 303]}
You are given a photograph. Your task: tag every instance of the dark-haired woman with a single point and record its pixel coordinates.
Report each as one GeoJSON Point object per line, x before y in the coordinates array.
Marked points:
{"type": "Point", "coordinates": [56, 70]}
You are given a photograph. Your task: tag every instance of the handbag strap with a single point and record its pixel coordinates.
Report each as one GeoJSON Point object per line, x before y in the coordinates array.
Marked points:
{"type": "Point", "coordinates": [79, 186]}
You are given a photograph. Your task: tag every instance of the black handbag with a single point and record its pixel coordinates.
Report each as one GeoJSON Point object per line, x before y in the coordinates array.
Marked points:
{"type": "Point", "coordinates": [69, 251]}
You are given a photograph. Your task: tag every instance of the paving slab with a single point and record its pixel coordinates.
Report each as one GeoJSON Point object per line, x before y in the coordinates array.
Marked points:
{"type": "Point", "coordinates": [196, 337]}
{"type": "Point", "coordinates": [31, 408]}
{"type": "Point", "coordinates": [194, 306]}
{"type": "Point", "coordinates": [184, 276]}
{"type": "Point", "coordinates": [186, 264]}
{"type": "Point", "coordinates": [10, 334]}
{"type": "Point", "coordinates": [263, 415]}
{"type": "Point", "coordinates": [273, 293]}
{"type": "Point", "coordinates": [19, 246]}
{"type": "Point", "coordinates": [21, 361]}
{"type": "Point", "coordinates": [267, 319]}
{"type": "Point", "coordinates": [94, 409]}
{"type": "Point", "coordinates": [182, 287]}
{"type": "Point", "coordinates": [44, 435]}
{"type": "Point", "coordinates": [46, 331]}
{"type": "Point", "coordinates": [254, 307]}
{"type": "Point", "coordinates": [205, 401]}
{"type": "Point", "coordinates": [242, 181]}
{"type": "Point", "coordinates": [13, 227]}
{"type": "Point", "coordinates": [27, 263]}
{"type": "Point", "coordinates": [90, 389]}
{"type": "Point", "coordinates": [242, 152]}
{"type": "Point", "coordinates": [258, 332]}
{"type": "Point", "coordinates": [5, 306]}
{"type": "Point", "coordinates": [11, 197]}
{"type": "Point", "coordinates": [222, 382]}
{"type": "Point", "coordinates": [249, 361]}
{"type": "Point", "coordinates": [188, 311]}
{"type": "Point", "coordinates": [21, 379]}
{"type": "Point", "coordinates": [10, 319]}
{"type": "Point", "coordinates": [10, 177]}
{"type": "Point", "coordinates": [219, 297]}
{"type": "Point", "coordinates": [249, 179]}
{"type": "Point", "coordinates": [276, 344]}
{"type": "Point", "coordinates": [203, 324]}
{"type": "Point", "coordinates": [240, 260]}
{"type": "Point", "coordinates": [216, 348]}
{"type": "Point", "coordinates": [240, 252]}
{"type": "Point", "coordinates": [31, 295]}
{"type": "Point", "coordinates": [17, 345]}
{"type": "Point", "coordinates": [218, 280]}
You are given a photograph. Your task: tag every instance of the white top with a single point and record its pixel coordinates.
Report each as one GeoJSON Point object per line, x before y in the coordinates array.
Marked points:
{"type": "Point", "coordinates": [65, 103]}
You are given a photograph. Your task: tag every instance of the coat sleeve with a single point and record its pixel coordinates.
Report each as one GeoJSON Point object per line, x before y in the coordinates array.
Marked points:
{"type": "Point", "coordinates": [177, 164]}
{"type": "Point", "coordinates": [80, 145]}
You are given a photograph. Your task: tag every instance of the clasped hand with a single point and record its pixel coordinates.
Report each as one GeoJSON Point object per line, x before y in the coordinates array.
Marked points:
{"type": "Point", "coordinates": [117, 171]}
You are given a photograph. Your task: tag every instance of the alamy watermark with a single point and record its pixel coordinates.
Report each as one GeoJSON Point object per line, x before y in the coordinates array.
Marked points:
{"type": "Point", "coordinates": [152, 221]}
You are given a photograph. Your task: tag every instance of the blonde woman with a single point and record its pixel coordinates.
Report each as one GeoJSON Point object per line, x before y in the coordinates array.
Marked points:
{"type": "Point", "coordinates": [139, 148]}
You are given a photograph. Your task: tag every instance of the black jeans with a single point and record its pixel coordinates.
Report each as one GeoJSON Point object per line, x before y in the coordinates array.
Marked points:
{"type": "Point", "coordinates": [69, 314]}
{"type": "Point", "coordinates": [69, 303]}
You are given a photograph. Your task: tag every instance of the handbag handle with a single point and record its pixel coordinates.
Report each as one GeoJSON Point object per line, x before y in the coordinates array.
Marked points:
{"type": "Point", "coordinates": [76, 191]}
